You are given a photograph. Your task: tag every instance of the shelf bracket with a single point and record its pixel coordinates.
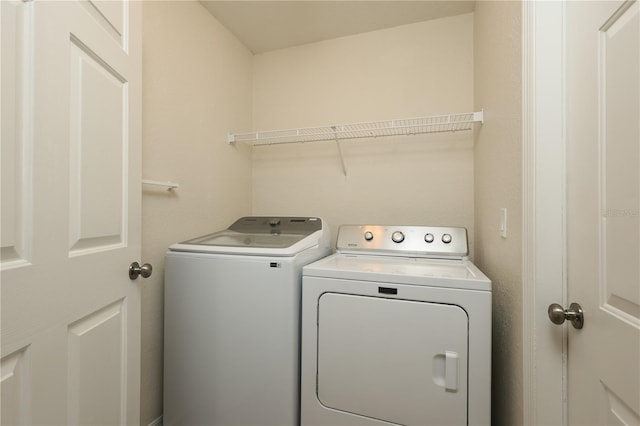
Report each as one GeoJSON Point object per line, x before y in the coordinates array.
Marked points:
{"type": "Point", "coordinates": [478, 117]}
{"type": "Point", "coordinates": [335, 135]}
{"type": "Point", "coordinates": [169, 186]}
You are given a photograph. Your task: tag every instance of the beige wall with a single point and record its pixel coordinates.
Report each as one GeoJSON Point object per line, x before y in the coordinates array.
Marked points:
{"type": "Point", "coordinates": [408, 71]}
{"type": "Point", "coordinates": [200, 82]}
{"type": "Point", "coordinates": [498, 184]}
{"type": "Point", "coordinates": [197, 86]}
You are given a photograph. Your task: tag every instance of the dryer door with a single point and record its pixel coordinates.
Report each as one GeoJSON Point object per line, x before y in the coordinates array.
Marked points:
{"type": "Point", "coordinates": [394, 360]}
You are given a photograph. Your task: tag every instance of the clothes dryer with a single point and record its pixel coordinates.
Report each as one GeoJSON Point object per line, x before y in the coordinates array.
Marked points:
{"type": "Point", "coordinates": [396, 330]}
{"type": "Point", "coordinates": [232, 322]}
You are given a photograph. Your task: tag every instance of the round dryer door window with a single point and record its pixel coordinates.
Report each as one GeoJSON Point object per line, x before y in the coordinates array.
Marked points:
{"type": "Point", "coordinates": [394, 360]}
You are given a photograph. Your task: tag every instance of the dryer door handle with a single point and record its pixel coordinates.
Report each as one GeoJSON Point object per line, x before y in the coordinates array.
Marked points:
{"type": "Point", "coordinates": [445, 370]}
{"type": "Point", "coordinates": [451, 371]}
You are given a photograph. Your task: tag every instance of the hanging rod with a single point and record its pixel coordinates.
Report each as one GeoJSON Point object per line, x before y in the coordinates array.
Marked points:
{"type": "Point", "coordinates": [372, 129]}
{"type": "Point", "coordinates": [168, 185]}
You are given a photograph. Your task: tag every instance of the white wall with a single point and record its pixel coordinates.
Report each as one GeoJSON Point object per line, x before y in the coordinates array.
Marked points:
{"type": "Point", "coordinates": [408, 71]}
{"type": "Point", "coordinates": [498, 184]}
{"type": "Point", "coordinates": [196, 86]}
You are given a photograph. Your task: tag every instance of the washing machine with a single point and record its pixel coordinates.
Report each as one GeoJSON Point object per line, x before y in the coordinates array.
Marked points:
{"type": "Point", "coordinates": [396, 330]}
{"type": "Point", "coordinates": [232, 322]}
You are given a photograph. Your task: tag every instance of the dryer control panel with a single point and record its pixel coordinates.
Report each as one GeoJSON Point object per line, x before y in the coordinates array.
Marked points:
{"type": "Point", "coordinates": [402, 240]}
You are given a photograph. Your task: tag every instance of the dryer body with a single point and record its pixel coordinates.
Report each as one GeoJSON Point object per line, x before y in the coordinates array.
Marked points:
{"type": "Point", "coordinates": [399, 340]}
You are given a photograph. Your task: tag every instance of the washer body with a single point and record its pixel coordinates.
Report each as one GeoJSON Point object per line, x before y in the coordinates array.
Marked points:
{"type": "Point", "coordinates": [232, 322]}
{"type": "Point", "coordinates": [396, 330]}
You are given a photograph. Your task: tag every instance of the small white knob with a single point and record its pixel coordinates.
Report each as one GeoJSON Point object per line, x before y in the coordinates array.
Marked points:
{"type": "Point", "coordinates": [368, 235]}
{"type": "Point", "coordinates": [429, 238]}
{"type": "Point", "coordinates": [397, 237]}
{"type": "Point", "coordinates": [446, 238]}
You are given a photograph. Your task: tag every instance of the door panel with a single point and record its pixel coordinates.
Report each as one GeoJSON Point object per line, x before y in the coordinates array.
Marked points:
{"type": "Point", "coordinates": [16, 162]}
{"type": "Point", "coordinates": [98, 141]}
{"type": "Point", "coordinates": [70, 326]}
{"type": "Point", "coordinates": [616, 411]}
{"type": "Point", "coordinates": [15, 382]}
{"type": "Point", "coordinates": [603, 210]}
{"type": "Point", "coordinates": [620, 167]}
{"type": "Point", "coordinates": [96, 395]}
{"type": "Point", "coordinates": [113, 14]}
{"type": "Point", "coordinates": [113, 17]}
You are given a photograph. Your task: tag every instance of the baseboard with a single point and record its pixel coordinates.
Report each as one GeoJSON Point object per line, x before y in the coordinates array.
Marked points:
{"type": "Point", "coordinates": [156, 422]}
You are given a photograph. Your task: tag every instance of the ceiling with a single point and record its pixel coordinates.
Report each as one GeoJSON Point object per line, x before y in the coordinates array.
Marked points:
{"type": "Point", "coordinates": [266, 25]}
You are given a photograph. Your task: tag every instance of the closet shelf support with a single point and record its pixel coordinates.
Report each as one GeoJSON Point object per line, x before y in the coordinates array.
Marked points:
{"type": "Point", "coordinates": [344, 169]}
{"type": "Point", "coordinates": [169, 186]}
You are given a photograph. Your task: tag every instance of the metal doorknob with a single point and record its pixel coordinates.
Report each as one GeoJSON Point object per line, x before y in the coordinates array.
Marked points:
{"type": "Point", "coordinates": [135, 269]}
{"type": "Point", "coordinates": [575, 314]}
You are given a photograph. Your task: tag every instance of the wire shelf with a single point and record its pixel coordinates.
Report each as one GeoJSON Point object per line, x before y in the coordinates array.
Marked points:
{"type": "Point", "coordinates": [373, 129]}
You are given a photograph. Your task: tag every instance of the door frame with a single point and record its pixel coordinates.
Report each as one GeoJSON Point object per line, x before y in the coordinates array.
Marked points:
{"type": "Point", "coordinates": [544, 205]}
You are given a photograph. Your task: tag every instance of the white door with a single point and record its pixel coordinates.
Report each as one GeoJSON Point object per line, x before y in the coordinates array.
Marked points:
{"type": "Point", "coordinates": [603, 210]}
{"type": "Point", "coordinates": [71, 141]}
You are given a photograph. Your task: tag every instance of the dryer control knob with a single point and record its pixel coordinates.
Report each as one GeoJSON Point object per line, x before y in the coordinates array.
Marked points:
{"type": "Point", "coordinates": [429, 238]}
{"type": "Point", "coordinates": [397, 237]}
{"type": "Point", "coordinates": [368, 235]}
{"type": "Point", "coordinates": [446, 238]}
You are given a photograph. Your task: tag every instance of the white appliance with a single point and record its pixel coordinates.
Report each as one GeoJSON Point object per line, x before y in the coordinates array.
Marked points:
{"type": "Point", "coordinates": [232, 322]}
{"type": "Point", "coordinates": [396, 329]}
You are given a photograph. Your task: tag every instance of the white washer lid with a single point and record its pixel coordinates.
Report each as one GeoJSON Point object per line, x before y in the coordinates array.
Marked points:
{"type": "Point", "coordinates": [261, 235]}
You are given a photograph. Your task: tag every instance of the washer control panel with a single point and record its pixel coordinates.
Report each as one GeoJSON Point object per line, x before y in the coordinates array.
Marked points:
{"type": "Point", "coordinates": [413, 241]}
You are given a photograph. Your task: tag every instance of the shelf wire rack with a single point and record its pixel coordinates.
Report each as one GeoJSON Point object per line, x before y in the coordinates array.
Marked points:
{"type": "Point", "coordinates": [372, 129]}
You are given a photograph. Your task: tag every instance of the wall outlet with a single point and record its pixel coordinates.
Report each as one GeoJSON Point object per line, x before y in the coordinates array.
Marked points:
{"type": "Point", "coordinates": [503, 222]}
